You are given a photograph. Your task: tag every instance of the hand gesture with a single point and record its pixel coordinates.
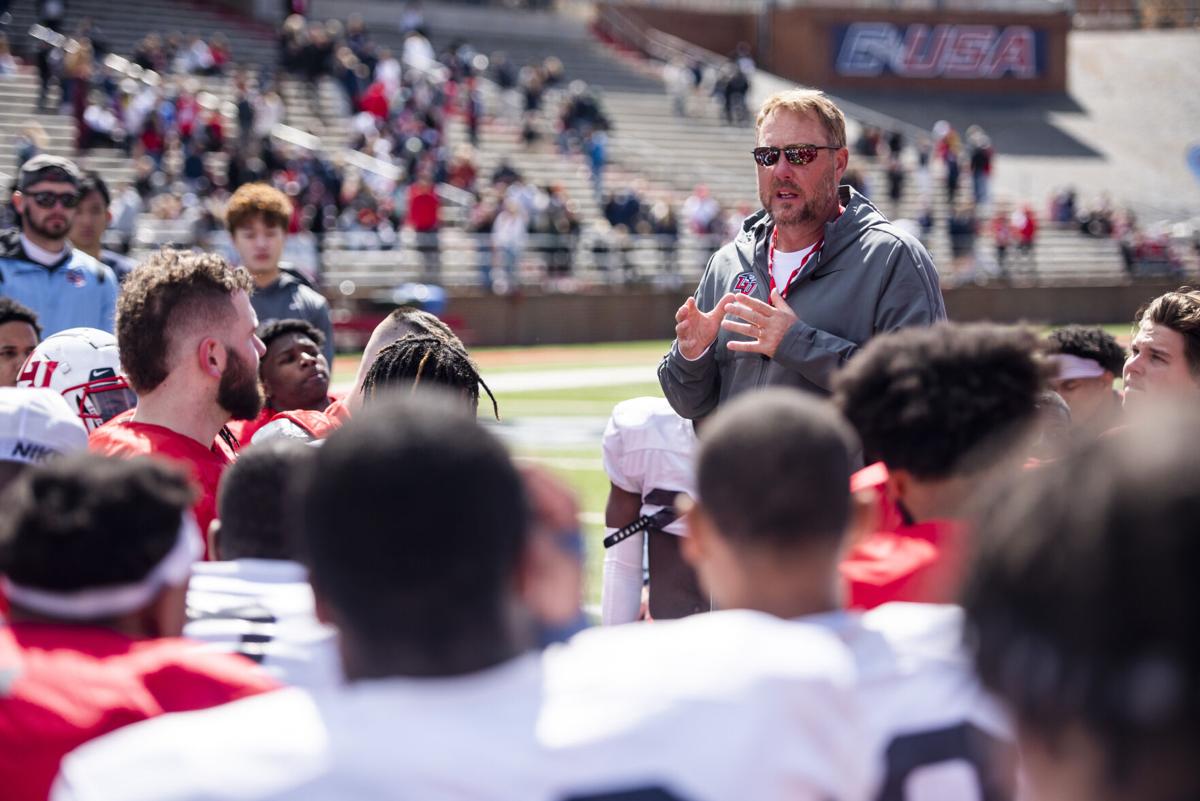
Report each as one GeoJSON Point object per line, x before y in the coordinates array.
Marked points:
{"type": "Point", "coordinates": [766, 324]}
{"type": "Point", "coordinates": [695, 330]}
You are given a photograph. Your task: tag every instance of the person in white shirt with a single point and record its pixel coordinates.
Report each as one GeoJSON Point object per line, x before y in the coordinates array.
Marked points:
{"type": "Point", "coordinates": [648, 452]}
{"type": "Point", "coordinates": [932, 732]}
{"type": "Point", "coordinates": [415, 526]}
{"type": "Point", "coordinates": [255, 599]}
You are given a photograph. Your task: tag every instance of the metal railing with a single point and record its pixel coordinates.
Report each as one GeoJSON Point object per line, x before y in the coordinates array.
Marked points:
{"type": "Point", "coordinates": [287, 134]}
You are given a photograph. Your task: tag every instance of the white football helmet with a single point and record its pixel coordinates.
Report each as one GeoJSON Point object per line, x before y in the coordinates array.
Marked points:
{"type": "Point", "coordinates": [83, 366]}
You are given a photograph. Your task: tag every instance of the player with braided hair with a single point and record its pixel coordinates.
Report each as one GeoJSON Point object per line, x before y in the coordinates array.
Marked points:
{"type": "Point", "coordinates": [418, 359]}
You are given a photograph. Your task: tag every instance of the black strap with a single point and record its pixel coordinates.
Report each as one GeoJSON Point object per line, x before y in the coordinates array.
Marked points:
{"type": "Point", "coordinates": [659, 520]}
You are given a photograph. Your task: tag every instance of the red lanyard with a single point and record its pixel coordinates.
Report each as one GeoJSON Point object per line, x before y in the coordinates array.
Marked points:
{"type": "Point", "coordinates": [803, 263]}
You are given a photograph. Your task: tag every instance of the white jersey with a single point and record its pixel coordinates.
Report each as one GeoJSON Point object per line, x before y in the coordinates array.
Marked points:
{"type": "Point", "coordinates": [263, 609]}
{"type": "Point", "coordinates": [932, 727]}
{"type": "Point", "coordinates": [722, 707]}
{"type": "Point", "coordinates": [647, 447]}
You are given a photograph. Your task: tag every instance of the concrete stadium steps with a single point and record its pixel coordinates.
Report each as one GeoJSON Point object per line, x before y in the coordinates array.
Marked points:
{"type": "Point", "coordinates": [649, 142]}
{"type": "Point", "coordinates": [123, 27]}
{"type": "Point", "coordinates": [124, 24]}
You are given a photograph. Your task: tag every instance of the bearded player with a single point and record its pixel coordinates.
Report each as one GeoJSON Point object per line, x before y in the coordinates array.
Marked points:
{"type": "Point", "coordinates": [187, 336]}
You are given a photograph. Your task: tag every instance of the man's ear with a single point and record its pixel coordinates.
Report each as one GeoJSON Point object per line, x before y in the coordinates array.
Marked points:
{"type": "Point", "coordinates": [212, 356]}
{"type": "Point", "coordinates": [18, 201]}
{"type": "Point", "coordinates": [842, 160]}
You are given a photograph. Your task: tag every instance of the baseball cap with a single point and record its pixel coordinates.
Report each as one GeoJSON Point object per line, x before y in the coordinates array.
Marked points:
{"type": "Point", "coordinates": [45, 167]}
{"type": "Point", "coordinates": [36, 425]}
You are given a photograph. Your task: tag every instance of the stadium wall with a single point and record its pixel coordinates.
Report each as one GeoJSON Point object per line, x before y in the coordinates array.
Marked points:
{"type": "Point", "coordinates": [978, 52]}
{"type": "Point", "coordinates": [533, 319]}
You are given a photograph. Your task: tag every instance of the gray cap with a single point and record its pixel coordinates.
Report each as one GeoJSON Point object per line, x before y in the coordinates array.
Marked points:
{"type": "Point", "coordinates": [45, 167]}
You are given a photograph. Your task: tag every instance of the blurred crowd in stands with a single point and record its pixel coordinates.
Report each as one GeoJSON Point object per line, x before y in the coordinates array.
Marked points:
{"type": "Point", "coordinates": [196, 123]}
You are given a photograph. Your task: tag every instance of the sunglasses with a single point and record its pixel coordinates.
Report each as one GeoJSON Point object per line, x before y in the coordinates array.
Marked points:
{"type": "Point", "coordinates": [798, 155]}
{"type": "Point", "coordinates": [46, 200]}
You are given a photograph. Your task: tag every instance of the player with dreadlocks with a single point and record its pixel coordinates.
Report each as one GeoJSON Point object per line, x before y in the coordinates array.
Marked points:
{"type": "Point", "coordinates": [417, 359]}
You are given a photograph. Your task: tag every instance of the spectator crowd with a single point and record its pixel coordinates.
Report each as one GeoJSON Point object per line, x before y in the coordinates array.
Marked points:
{"type": "Point", "coordinates": [960, 567]}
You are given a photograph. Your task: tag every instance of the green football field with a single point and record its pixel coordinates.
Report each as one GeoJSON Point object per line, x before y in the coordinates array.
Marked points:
{"type": "Point", "coordinates": [560, 427]}
{"type": "Point", "coordinates": [587, 408]}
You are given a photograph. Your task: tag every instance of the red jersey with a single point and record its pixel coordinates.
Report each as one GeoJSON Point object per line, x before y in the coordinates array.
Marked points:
{"type": "Point", "coordinates": [67, 684]}
{"type": "Point", "coordinates": [125, 438]}
{"type": "Point", "coordinates": [874, 479]}
{"type": "Point", "coordinates": [921, 563]}
{"type": "Point", "coordinates": [243, 430]}
{"type": "Point", "coordinates": [339, 411]}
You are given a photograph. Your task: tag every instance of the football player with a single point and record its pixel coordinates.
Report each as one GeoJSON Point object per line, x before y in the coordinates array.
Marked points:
{"type": "Point", "coordinates": [648, 454]}
{"type": "Point", "coordinates": [19, 334]}
{"type": "Point", "coordinates": [95, 555]}
{"type": "Point", "coordinates": [255, 599]}
{"type": "Point", "coordinates": [945, 409]}
{"type": "Point", "coordinates": [82, 365]}
{"type": "Point", "coordinates": [415, 528]}
{"type": "Point", "coordinates": [293, 371]}
{"type": "Point", "coordinates": [189, 345]}
{"type": "Point", "coordinates": [1087, 360]}
{"type": "Point", "coordinates": [932, 734]}
{"type": "Point", "coordinates": [1083, 611]}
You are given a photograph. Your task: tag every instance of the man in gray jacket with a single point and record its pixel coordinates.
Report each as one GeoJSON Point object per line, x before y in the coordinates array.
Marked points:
{"type": "Point", "coordinates": [809, 279]}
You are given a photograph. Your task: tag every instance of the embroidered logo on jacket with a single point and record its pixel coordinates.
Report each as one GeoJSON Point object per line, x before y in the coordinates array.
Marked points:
{"type": "Point", "coordinates": [75, 277]}
{"type": "Point", "coordinates": [745, 283]}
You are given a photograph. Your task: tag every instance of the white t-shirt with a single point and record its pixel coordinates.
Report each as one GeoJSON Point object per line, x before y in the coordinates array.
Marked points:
{"type": "Point", "coordinates": [647, 446]}
{"type": "Point", "coordinates": [39, 254]}
{"type": "Point", "coordinates": [928, 717]}
{"type": "Point", "coordinates": [263, 609]}
{"type": "Point", "coordinates": [721, 707]}
{"type": "Point", "coordinates": [787, 262]}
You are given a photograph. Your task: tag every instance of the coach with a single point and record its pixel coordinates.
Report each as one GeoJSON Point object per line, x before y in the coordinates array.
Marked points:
{"type": "Point", "coordinates": [811, 276]}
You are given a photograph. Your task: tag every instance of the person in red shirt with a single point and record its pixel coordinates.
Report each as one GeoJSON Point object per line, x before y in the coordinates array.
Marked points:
{"type": "Point", "coordinates": [187, 336]}
{"type": "Point", "coordinates": [409, 347]}
{"type": "Point", "coordinates": [423, 217]}
{"type": "Point", "coordinates": [95, 555]}
{"type": "Point", "coordinates": [293, 372]}
{"type": "Point", "coordinates": [945, 409]}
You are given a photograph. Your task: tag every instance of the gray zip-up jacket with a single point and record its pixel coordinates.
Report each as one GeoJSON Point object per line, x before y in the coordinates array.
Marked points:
{"type": "Point", "coordinates": [871, 277]}
{"type": "Point", "coordinates": [287, 298]}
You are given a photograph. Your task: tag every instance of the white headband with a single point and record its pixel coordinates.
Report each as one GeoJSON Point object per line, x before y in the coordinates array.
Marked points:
{"type": "Point", "coordinates": [1071, 367]}
{"type": "Point", "coordinates": [101, 602]}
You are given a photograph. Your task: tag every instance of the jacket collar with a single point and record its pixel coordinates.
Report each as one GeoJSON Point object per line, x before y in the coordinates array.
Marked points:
{"type": "Point", "coordinates": [859, 215]}
{"type": "Point", "coordinates": [11, 248]}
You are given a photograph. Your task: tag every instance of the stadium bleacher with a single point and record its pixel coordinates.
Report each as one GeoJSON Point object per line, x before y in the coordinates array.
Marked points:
{"type": "Point", "coordinates": [664, 154]}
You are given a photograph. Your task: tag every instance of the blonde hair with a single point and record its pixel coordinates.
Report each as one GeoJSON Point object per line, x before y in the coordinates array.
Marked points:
{"type": "Point", "coordinates": [807, 103]}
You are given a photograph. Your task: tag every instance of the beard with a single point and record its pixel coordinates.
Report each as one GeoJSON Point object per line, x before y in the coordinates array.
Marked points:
{"type": "Point", "coordinates": [238, 392]}
{"type": "Point", "coordinates": [802, 210]}
{"type": "Point", "coordinates": [55, 231]}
